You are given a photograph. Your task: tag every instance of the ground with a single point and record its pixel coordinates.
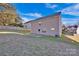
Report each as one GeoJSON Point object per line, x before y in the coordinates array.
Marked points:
{"type": "Point", "coordinates": [73, 37]}
{"type": "Point", "coordinates": [36, 45]}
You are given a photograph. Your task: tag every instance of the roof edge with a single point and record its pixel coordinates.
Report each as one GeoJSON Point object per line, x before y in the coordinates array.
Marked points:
{"type": "Point", "coordinates": [57, 13]}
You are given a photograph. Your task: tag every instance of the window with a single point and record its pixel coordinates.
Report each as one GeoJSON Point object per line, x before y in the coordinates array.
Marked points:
{"type": "Point", "coordinates": [44, 31]}
{"type": "Point", "coordinates": [39, 30]}
{"type": "Point", "coordinates": [40, 23]}
{"type": "Point", "coordinates": [52, 29]}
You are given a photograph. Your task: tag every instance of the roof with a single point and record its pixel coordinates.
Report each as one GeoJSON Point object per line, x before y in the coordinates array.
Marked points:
{"type": "Point", "coordinates": [58, 13]}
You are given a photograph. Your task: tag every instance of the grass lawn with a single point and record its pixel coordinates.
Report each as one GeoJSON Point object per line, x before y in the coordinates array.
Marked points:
{"type": "Point", "coordinates": [36, 36]}
{"type": "Point", "coordinates": [33, 44]}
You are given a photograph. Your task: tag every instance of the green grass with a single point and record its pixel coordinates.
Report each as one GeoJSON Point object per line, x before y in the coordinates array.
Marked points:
{"type": "Point", "coordinates": [55, 39]}
{"type": "Point", "coordinates": [69, 41]}
{"type": "Point", "coordinates": [41, 37]}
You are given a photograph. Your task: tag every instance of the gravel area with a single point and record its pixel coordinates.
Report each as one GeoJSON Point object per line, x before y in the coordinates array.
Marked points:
{"type": "Point", "coordinates": [35, 45]}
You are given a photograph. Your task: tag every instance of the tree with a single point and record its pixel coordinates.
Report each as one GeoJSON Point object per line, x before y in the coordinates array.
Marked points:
{"type": "Point", "coordinates": [8, 15]}
{"type": "Point", "coordinates": [64, 29]}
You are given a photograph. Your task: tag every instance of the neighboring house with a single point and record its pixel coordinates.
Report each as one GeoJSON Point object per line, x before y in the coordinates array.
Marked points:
{"type": "Point", "coordinates": [78, 30]}
{"type": "Point", "coordinates": [72, 29]}
{"type": "Point", "coordinates": [50, 25]}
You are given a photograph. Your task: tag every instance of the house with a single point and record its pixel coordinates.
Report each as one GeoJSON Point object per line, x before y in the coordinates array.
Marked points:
{"type": "Point", "coordinates": [78, 30]}
{"type": "Point", "coordinates": [50, 25]}
{"type": "Point", "coordinates": [72, 29]}
{"type": "Point", "coordinates": [27, 25]}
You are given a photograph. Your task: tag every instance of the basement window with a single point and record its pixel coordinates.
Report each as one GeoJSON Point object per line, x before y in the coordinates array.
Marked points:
{"type": "Point", "coordinates": [44, 31]}
{"type": "Point", "coordinates": [39, 24]}
{"type": "Point", "coordinates": [39, 30]}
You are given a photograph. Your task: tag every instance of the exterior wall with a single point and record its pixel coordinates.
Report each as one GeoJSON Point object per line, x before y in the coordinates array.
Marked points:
{"type": "Point", "coordinates": [27, 25]}
{"type": "Point", "coordinates": [48, 26]}
{"type": "Point", "coordinates": [78, 30]}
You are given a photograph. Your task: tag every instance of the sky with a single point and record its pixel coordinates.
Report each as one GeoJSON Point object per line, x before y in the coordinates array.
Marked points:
{"type": "Point", "coordinates": [32, 11]}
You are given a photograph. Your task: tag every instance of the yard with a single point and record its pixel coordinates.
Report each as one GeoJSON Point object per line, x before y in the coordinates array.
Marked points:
{"type": "Point", "coordinates": [36, 45]}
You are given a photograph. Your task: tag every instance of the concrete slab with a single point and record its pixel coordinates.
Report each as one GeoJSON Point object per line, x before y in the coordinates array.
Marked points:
{"type": "Point", "coordinates": [75, 37]}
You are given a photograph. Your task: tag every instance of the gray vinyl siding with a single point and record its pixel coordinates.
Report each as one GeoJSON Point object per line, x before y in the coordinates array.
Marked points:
{"type": "Point", "coordinates": [47, 24]}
